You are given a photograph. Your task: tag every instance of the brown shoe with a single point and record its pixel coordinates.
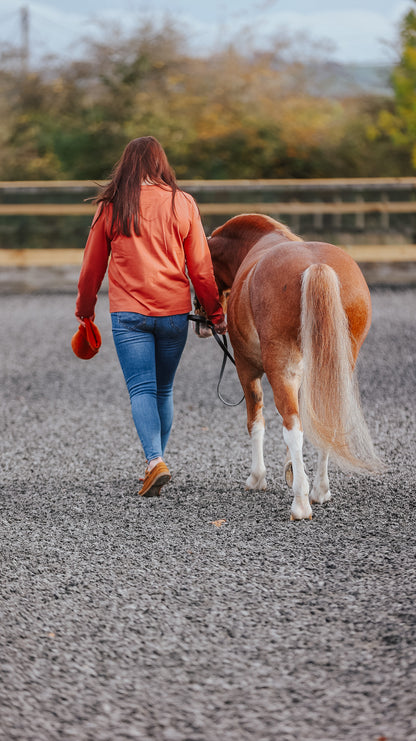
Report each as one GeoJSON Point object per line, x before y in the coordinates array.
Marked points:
{"type": "Point", "coordinates": [154, 480]}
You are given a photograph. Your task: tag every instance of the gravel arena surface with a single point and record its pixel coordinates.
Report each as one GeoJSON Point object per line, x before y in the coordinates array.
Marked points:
{"type": "Point", "coordinates": [202, 615]}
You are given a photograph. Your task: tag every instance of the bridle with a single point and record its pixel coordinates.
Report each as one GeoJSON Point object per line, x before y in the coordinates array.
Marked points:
{"type": "Point", "coordinates": [199, 320]}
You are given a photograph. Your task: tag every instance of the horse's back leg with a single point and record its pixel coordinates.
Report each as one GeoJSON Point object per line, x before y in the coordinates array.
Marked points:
{"type": "Point", "coordinates": [250, 378]}
{"type": "Point", "coordinates": [293, 437]}
{"type": "Point", "coordinates": [285, 378]}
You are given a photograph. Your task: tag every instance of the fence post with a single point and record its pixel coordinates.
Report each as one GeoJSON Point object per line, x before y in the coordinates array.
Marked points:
{"type": "Point", "coordinates": [337, 217]}
{"type": "Point", "coordinates": [385, 216]}
{"type": "Point", "coordinates": [360, 216]}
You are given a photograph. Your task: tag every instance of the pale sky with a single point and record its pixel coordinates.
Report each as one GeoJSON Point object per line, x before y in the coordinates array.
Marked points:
{"type": "Point", "coordinates": [357, 30]}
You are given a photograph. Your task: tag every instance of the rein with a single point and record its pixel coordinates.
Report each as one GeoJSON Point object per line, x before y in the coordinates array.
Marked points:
{"type": "Point", "coordinates": [222, 342]}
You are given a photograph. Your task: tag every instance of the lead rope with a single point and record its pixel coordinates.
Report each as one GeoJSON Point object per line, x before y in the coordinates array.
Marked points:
{"type": "Point", "coordinates": [222, 342]}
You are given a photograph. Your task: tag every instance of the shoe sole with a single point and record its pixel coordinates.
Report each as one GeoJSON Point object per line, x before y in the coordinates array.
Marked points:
{"type": "Point", "coordinates": [154, 489]}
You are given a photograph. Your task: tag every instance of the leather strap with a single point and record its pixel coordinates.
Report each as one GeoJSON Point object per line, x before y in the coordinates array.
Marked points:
{"type": "Point", "coordinates": [222, 342]}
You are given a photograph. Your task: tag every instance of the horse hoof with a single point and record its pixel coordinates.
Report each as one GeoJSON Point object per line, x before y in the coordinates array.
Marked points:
{"type": "Point", "coordinates": [300, 509]}
{"type": "Point", "coordinates": [289, 474]}
{"type": "Point", "coordinates": [255, 482]}
{"type": "Point", "coordinates": [316, 497]}
{"type": "Point", "coordinates": [297, 519]}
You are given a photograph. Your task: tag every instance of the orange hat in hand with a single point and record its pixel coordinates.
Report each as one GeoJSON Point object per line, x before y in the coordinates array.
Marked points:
{"type": "Point", "coordinates": [87, 340]}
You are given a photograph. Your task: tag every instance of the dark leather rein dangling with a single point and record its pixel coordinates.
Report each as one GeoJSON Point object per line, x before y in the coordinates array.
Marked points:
{"type": "Point", "coordinates": [222, 342]}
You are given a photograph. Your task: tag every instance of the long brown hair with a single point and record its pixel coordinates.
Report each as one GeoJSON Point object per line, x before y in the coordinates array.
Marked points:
{"type": "Point", "coordinates": [143, 159]}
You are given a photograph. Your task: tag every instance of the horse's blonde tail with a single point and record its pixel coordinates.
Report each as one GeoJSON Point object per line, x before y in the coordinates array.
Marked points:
{"type": "Point", "coordinates": [329, 398]}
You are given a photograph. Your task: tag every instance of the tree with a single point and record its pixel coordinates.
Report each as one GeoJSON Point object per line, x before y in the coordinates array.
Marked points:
{"type": "Point", "coordinates": [398, 122]}
{"type": "Point", "coordinates": [238, 112]}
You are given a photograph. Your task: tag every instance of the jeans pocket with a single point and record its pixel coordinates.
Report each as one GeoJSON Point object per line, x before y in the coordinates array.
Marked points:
{"type": "Point", "coordinates": [130, 320]}
{"type": "Point", "coordinates": [178, 323]}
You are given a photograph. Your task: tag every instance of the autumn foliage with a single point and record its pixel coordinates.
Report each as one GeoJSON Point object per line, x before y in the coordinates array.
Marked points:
{"type": "Point", "coordinates": [239, 112]}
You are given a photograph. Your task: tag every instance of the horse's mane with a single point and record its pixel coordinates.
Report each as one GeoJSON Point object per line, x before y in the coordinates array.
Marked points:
{"type": "Point", "coordinates": [251, 227]}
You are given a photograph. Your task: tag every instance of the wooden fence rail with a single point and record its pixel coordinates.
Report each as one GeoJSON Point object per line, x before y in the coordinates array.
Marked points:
{"type": "Point", "coordinates": [313, 183]}
{"type": "Point", "coordinates": [56, 256]}
{"type": "Point", "coordinates": [333, 197]}
{"type": "Point", "coordinates": [290, 207]}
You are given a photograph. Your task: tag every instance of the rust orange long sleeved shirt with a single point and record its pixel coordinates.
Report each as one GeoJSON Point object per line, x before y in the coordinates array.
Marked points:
{"type": "Point", "coordinates": [148, 274]}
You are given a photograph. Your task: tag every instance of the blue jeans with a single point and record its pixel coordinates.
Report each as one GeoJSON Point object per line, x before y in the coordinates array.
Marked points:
{"type": "Point", "coordinates": [149, 349]}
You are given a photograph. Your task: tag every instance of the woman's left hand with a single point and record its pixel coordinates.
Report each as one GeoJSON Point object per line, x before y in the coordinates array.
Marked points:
{"type": "Point", "coordinates": [81, 318]}
{"type": "Point", "coordinates": [221, 327]}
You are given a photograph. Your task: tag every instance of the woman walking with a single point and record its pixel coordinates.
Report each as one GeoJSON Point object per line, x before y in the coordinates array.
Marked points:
{"type": "Point", "coordinates": [149, 234]}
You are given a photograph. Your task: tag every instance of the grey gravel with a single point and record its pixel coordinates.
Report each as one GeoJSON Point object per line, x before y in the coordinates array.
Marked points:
{"type": "Point", "coordinates": [124, 618]}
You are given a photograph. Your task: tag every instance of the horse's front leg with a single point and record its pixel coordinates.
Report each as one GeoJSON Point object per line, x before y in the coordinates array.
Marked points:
{"type": "Point", "coordinates": [320, 491]}
{"type": "Point", "coordinates": [288, 469]}
{"type": "Point", "coordinates": [253, 394]}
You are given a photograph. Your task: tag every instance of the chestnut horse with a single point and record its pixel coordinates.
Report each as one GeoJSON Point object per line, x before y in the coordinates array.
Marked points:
{"type": "Point", "coordinates": [299, 312]}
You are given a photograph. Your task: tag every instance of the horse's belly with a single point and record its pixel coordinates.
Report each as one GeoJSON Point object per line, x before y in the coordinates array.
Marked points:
{"type": "Point", "coordinates": [241, 326]}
